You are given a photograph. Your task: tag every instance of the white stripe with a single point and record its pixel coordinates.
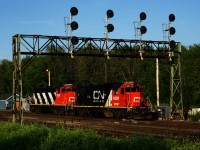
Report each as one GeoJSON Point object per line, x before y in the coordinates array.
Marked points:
{"type": "Point", "coordinates": [51, 97]}
{"type": "Point", "coordinates": [39, 97]}
{"type": "Point", "coordinates": [108, 102]}
{"type": "Point", "coordinates": [34, 98]}
{"type": "Point", "coordinates": [45, 98]}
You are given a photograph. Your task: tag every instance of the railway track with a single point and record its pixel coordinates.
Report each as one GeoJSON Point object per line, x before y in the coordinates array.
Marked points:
{"type": "Point", "coordinates": [113, 127]}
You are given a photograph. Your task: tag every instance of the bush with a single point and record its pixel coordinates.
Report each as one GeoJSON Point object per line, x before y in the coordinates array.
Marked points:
{"type": "Point", "coordinates": [16, 136]}
{"type": "Point", "coordinates": [183, 144]}
{"type": "Point", "coordinates": [71, 139]}
{"type": "Point", "coordinates": [144, 142]}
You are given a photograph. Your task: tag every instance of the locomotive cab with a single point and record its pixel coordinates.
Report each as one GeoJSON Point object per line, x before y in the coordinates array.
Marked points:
{"type": "Point", "coordinates": [128, 94]}
{"type": "Point", "coordinates": [66, 95]}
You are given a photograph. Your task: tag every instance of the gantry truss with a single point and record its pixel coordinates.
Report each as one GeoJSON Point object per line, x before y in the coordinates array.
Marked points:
{"type": "Point", "coordinates": [35, 45]}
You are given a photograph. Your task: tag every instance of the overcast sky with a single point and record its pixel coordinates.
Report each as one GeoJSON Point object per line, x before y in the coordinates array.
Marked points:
{"type": "Point", "coordinates": [46, 17]}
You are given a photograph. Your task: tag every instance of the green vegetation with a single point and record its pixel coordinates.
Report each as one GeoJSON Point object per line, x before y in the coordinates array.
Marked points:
{"type": "Point", "coordinates": [87, 70]}
{"type": "Point", "coordinates": [16, 136]}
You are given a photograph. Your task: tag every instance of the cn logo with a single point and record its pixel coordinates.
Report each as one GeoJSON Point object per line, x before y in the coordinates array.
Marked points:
{"type": "Point", "coordinates": [137, 99]}
{"type": "Point", "coordinates": [72, 99]}
{"type": "Point", "coordinates": [98, 95]}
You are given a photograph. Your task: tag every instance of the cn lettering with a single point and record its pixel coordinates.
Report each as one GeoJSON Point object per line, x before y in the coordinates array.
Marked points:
{"type": "Point", "coordinates": [98, 95]}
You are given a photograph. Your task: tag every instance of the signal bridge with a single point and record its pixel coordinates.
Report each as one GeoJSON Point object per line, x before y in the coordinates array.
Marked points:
{"type": "Point", "coordinates": [34, 45]}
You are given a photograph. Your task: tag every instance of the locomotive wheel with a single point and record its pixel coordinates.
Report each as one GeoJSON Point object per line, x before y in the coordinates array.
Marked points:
{"type": "Point", "coordinates": [70, 112]}
{"type": "Point", "coordinates": [117, 114]}
{"type": "Point", "coordinates": [108, 113]}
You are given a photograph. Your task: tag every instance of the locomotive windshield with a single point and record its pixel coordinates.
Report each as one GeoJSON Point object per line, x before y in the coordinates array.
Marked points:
{"type": "Point", "coordinates": [134, 89]}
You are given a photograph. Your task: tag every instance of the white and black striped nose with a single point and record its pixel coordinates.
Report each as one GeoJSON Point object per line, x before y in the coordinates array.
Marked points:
{"type": "Point", "coordinates": [44, 96]}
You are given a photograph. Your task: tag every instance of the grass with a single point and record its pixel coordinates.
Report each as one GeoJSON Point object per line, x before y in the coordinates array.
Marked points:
{"type": "Point", "coordinates": [38, 137]}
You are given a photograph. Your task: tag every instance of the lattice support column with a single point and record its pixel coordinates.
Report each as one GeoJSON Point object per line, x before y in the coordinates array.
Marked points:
{"type": "Point", "coordinates": [176, 95]}
{"type": "Point", "coordinates": [17, 79]}
{"type": "Point", "coordinates": [14, 111]}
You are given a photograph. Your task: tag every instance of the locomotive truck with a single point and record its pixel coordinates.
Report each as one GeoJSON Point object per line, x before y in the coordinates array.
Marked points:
{"type": "Point", "coordinates": [117, 100]}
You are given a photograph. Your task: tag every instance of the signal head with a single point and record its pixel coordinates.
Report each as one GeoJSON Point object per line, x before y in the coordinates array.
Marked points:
{"type": "Point", "coordinates": [110, 13]}
{"type": "Point", "coordinates": [171, 17]}
{"type": "Point", "coordinates": [172, 30]}
{"type": "Point", "coordinates": [143, 16]}
{"type": "Point", "coordinates": [74, 25]}
{"type": "Point", "coordinates": [74, 11]}
{"type": "Point", "coordinates": [74, 40]}
{"type": "Point", "coordinates": [172, 44]}
{"type": "Point", "coordinates": [143, 29]}
{"type": "Point", "coordinates": [110, 28]}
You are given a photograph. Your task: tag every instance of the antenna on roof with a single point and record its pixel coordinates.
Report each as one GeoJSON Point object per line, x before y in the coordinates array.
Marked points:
{"type": "Point", "coordinates": [66, 22]}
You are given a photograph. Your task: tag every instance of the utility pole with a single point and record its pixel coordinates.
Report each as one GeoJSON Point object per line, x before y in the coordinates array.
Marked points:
{"type": "Point", "coordinates": [49, 77]}
{"type": "Point", "coordinates": [157, 82]}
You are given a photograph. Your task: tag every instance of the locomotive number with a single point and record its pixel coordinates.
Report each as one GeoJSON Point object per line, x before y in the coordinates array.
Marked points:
{"type": "Point", "coordinates": [58, 95]}
{"type": "Point", "coordinates": [116, 104]}
{"type": "Point", "coordinates": [115, 97]}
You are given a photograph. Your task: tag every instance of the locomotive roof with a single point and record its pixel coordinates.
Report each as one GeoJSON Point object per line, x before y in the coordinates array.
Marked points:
{"type": "Point", "coordinates": [47, 89]}
{"type": "Point", "coordinates": [116, 86]}
{"type": "Point", "coordinates": [113, 86]}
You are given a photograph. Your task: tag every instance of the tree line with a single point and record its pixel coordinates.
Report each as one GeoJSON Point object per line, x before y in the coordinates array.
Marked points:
{"type": "Point", "coordinates": [93, 70]}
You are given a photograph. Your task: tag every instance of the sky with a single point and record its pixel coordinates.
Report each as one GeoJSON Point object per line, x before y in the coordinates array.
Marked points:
{"type": "Point", "coordinates": [46, 17]}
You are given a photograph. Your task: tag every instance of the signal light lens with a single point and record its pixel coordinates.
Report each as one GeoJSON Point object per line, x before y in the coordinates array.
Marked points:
{"type": "Point", "coordinates": [74, 11]}
{"type": "Point", "coordinates": [143, 29]}
{"type": "Point", "coordinates": [172, 31]}
{"type": "Point", "coordinates": [74, 25]}
{"type": "Point", "coordinates": [143, 16]}
{"type": "Point", "coordinates": [110, 13]}
{"type": "Point", "coordinates": [74, 40]}
{"type": "Point", "coordinates": [110, 28]}
{"type": "Point", "coordinates": [172, 44]}
{"type": "Point", "coordinates": [171, 17]}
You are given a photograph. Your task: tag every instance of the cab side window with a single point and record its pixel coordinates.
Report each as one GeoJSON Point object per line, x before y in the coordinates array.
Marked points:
{"type": "Point", "coordinates": [122, 90]}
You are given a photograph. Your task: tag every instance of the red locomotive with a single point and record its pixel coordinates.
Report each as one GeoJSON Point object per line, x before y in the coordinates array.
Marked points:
{"type": "Point", "coordinates": [119, 100]}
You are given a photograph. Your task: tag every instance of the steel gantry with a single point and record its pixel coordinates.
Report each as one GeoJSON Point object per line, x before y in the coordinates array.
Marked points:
{"type": "Point", "coordinates": [35, 45]}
